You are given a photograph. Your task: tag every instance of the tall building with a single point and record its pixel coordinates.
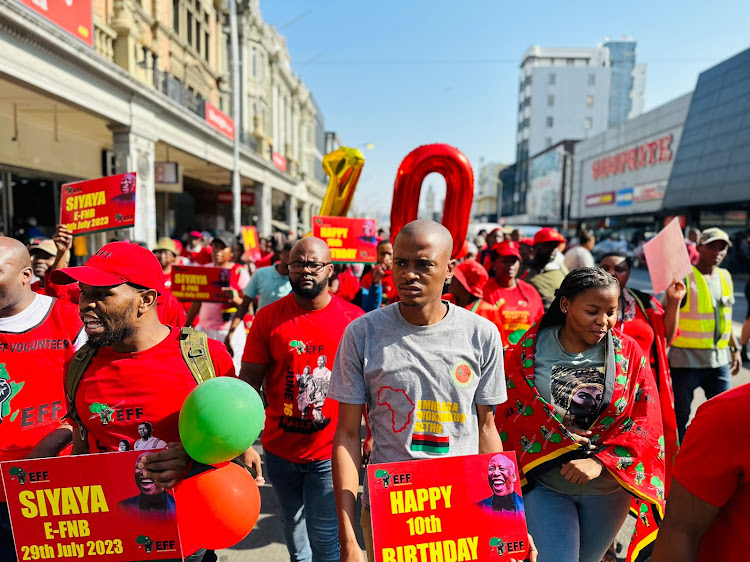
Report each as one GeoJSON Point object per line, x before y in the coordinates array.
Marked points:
{"type": "Point", "coordinates": [487, 185]}
{"type": "Point", "coordinates": [96, 88]}
{"type": "Point", "coordinates": [572, 93]}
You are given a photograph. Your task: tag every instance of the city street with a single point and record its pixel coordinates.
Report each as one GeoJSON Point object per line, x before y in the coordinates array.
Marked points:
{"type": "Point", "coordinates": [266, 541]}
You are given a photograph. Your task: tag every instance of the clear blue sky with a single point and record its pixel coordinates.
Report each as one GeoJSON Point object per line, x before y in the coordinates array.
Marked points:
{"type": "Point", "coordinates": [402, 74]}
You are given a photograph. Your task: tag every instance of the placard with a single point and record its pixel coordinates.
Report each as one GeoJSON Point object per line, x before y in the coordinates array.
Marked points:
{"type": "Point", "coordinates": [450, 509]}
{"type": "Point", "coordinates": [250, 241]}
{"type": "Point", "coordinates": [202, 284]}
{"type": "Point", "coordinates": [99, 205]}
{"type": "Point", "coordinates": [92, 507]}
{"type": "Point", "coordinates": [667, 257]}
{"type": "Point", "coordinates": [351, 240]}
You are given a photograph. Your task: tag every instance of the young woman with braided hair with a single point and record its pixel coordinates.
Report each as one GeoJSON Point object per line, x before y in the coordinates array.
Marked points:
{"type": "Point", "coordinates": [585, 423]}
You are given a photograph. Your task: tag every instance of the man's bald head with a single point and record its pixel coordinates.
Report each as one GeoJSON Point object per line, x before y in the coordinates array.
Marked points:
{"type": "Point", "coordinates": [308, 282]}
{"type": "Point", "coordinates": [12, 251]}
{"type": "Point", "coordinates": [310, 246]}
{"type": "Point", "coordinates": [15, 277]}
{"type": "Point", "coordinates": [429, 231]}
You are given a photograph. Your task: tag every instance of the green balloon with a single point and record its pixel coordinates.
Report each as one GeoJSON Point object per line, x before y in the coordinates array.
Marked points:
{"type": "Point", "coordinates": [220, 419]}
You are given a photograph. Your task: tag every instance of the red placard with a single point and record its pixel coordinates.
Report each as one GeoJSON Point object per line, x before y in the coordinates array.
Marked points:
{"type": "Point", "coordinates": [74, 16]}
{"type": "Point", "coordinates": [350, 240]}
{"type": "Point", "coordinates": [98, 205]}
{"type": "Point", "coordinates": [250, 241]}
{"type": "Point", "coordinates": [219, 120]}
{"type": "Point", "coordinates": [89, 507]}
{"type": "Point", "coordinates": [196, 283]}
{"type": "Point", "coordinates": [452, 508]}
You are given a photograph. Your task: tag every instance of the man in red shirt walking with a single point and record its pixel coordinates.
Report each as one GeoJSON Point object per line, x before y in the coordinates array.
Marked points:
{"type": "Point", "coordinates": [520, 304]}
{"type": "Point", "coordinates": [290, 349]}
{"type": "Point", "coordinates": [37, 335]}
{"type": "Point", "coordinates": [469, 278]}
{"type": "Point", "coordinates": [709, 500]}
{"type": "Point", "coordinates": [137, 374]}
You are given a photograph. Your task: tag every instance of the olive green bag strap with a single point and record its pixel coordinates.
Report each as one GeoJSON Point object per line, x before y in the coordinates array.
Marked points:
{"type": "Point", "coordinates": [73, 377]}
{"type": "Point", "coordinates": [194, 347]}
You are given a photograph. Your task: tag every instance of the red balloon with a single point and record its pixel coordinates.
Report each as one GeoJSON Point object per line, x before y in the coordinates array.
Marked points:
{"type": "Point", "coordinates": [459, 180]}
{"type": "Point", "coordinates": [216, 509]}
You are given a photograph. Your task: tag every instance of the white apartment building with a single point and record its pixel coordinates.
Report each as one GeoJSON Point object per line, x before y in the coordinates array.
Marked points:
{"type": "Point", "coordinates": [573, 93]}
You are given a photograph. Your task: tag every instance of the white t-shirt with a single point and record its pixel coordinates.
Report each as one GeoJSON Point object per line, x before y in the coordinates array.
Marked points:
{"type": "Point", "coordinates": [32, 316]}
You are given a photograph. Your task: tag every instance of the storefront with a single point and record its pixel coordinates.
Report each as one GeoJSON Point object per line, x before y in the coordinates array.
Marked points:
{"type": "Point", "coordinates": [620, 176]}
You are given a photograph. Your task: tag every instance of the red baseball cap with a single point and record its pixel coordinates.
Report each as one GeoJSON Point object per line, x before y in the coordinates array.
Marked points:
{"type": "Point", "coordinates": [472, 276]}
{"type": "Point", "coordinates": [115, 264]}
{"type": "Point", "coordinates": [548, 235]}
{"type": "Point", "coordinates": [507, 248]}
{"type": "Point", "coordinates": [527, 241]}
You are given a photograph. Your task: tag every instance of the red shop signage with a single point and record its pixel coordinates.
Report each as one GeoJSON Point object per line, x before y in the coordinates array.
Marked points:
{"type": "Point", "coordinates": [647, 154]}
{"type": "Point", "coordinates": [219, 120]}
{"type": "Point", "coordinates": [279, 161]}
{"type": "Point", "coordinates": [227, 198]}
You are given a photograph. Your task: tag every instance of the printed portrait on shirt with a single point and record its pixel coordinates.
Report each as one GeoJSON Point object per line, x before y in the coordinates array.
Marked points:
{"type": "Point", "coordinates": [147, 440]}
{"type": "Point", "coordinates": [312, 387]}
{"type": "Point", "coordinates": [577, 394]}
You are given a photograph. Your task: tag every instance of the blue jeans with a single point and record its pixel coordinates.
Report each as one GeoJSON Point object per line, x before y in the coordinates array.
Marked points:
{"type": "Point", "coordinates": [686, 380]}
{"type": "Point", "coordinates": [7, 546]}
{"type": "Point", "coordinates": [308, 508]}
{"type": "Point", "coordinates": [574, 528]}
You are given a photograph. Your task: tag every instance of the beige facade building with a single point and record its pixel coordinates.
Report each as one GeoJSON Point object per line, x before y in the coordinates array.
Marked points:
{"type": "Point", "coordinates": [145, 86]}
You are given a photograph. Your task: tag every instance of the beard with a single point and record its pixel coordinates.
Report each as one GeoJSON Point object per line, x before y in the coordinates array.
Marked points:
{"type": "Point", "coordinates": [111, 337]}
{"type": "Point", "coordinates": [309, 293]}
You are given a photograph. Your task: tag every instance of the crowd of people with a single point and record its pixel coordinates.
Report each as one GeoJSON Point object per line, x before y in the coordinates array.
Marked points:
{"type": "Point", "coordinates": [537, 348]}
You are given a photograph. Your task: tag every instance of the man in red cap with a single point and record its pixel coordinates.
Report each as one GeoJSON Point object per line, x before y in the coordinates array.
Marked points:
{"type": "Point", "coordinates": [195, 251]}
{"type": "Point", "coordinates": [469, 278]}
{"type": "Point", "coordinates": [545, 273]}
{"type": "Point", "coordinates": [137, 373]}
{"type": "Point", "coordinates": [37, 335]}
{"type": "Point", "coordinates": [519, 303]}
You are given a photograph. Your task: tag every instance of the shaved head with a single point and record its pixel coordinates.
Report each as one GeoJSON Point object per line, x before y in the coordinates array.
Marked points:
{"type": "Point", "coordinates": [431, 231]}
{"type": "Point", "coordinates": [15, 277]}
{"type": "Point", "coordinates": [12, 251]}
{"type": "Point", "coordinates": [312, 245]}
{"type": "Point", "coordinates": [310, 269]}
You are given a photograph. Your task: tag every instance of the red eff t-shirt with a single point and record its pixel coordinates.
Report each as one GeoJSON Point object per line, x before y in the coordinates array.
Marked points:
{"type": "Point", "coordinates": [520, 307]}
{"type": "Point", "coordinates": [714, 465]}
{"type": "Point", "coordinates": [120, 391]}
{"type": "Point", "coordinates": [299, 347]}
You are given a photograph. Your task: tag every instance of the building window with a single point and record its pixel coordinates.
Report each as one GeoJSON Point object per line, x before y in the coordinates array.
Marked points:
{"type": "Point", "coordinates": [592, 79]}
{"type": "Point", "coordinates": [190, 27]}
{"type": "Point", "coordinates": [550, 100]}
{"type": "Point", "coordinates": [547, 142]}
{"type": "Point", "coordinates": [255, 62]}
{"type": "Point", "coordinates": [551, 78]}
{"type": "Point", "coordinates": [206, 40]}
{"type": "Point", "coordinates": [176, 16]}
{"type": "Point", "coordinates": [550, 122]}
{"type": "Point", "coordinates": [588, 123]}
{"type": "Point", "coordinates": [589, 101]}
{"type": "Point", "coordinates": [570, 62]}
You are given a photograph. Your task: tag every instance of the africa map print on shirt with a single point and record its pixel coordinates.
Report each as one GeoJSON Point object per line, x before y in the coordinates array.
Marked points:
{"type": "Point", "coordinates": [577, 394]}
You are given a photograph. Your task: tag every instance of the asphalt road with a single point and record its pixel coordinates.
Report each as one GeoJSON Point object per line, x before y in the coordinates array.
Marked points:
{"type": "Point", "coordinates": [266, 542]}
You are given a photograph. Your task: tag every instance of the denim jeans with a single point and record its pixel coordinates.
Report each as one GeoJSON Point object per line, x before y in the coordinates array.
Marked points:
{"type": "Point", "coordinates": [7, 546]}
{"type": "Point", "coordinates": [574, 528]}
{"type": "Point", "coordinates": [308, 508]}
{"type": "Point", "coordinates": [686, 380]}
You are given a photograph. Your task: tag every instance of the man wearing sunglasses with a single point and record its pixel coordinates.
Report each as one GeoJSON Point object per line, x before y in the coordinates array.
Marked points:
{"type": "Point", "coordinates": [290, 350]}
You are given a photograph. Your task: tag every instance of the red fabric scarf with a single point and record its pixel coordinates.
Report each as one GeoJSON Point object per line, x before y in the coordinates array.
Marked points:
{"type": "Point", "coordinates": [628, 433]}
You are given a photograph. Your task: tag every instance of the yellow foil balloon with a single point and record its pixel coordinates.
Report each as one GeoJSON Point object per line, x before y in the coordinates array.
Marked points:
{"type": "Point", "coordinates": [343, 166]}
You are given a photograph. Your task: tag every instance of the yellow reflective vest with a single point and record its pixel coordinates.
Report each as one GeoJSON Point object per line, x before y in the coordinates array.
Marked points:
{"type": "Point", "coordinates": [698, 315]}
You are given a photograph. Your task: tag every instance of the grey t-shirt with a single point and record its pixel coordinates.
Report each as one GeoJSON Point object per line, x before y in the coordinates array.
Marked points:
{"type": "Point", "coordinates": [682, 357]}
{"type": "Point", "coordinates": [574, 384]}
{"type": "Point", "coordinates": [420, 383]}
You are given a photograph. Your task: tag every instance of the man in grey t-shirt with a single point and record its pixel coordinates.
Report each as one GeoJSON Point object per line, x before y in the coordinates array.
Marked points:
{"type": "Point", "coordinates": [429, 372]}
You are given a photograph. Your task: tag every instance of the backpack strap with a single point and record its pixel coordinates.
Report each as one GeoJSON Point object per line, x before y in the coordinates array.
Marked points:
{"type": "Point", "coordinates": [73, 377]}
{"type": "Point", "coordinates": [194, 347]}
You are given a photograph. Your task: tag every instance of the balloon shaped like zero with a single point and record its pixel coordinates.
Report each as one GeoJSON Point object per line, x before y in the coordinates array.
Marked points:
{"type": "Point", "coordinates": [459, 180]}
{"type": "Point", "coordinates": [220, 419]}
{"type": "Point", "coordinates": [216, 509]}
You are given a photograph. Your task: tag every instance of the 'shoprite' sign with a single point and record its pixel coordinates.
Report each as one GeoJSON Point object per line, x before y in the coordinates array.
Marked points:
{"type": "Point", "coordinates": [450, 509]}
{"type": "Point", "coordinates": [647, 154]}
{"type": "Point", "coordinates": [219, 120]}
{"type": "Point", "coordinates": [350, 240]}
{"type": "Point", "coordinates": [89, 507]}
{"type": "Point", "coordinates": [203, 284]}
{"type": "Point", "coordinates": [97, 205]}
